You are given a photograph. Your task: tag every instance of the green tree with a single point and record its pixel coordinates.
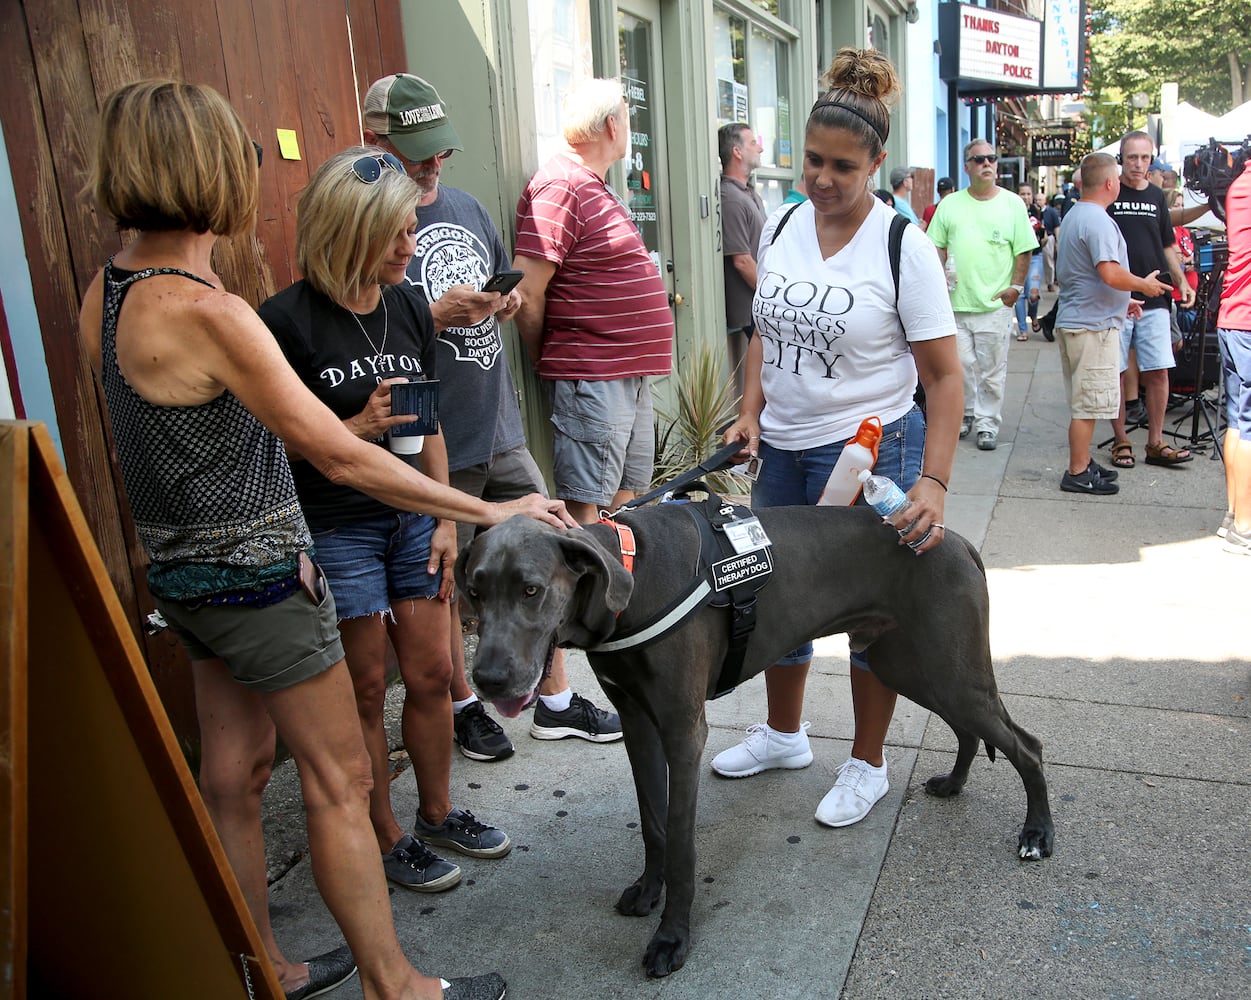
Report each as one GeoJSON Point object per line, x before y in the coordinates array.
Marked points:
{"type": "Point", "coordinates": [1202, 45]}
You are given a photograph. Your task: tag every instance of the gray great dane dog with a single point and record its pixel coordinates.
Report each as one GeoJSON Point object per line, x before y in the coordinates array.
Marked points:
{"type": "Point", "coordinates": [837, 569]}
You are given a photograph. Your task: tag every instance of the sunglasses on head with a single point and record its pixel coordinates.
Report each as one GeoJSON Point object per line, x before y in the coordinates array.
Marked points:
{"type": "Point", "coordinates": [981, 158]}
{"type": "Point", "coordinates": [369, 168]}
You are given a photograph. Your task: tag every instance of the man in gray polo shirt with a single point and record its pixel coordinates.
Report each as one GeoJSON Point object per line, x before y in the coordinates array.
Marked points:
{"type": "Point", "coordinates": [742, 219]}
{"type": "Point", "coordinates": [1092, 264]}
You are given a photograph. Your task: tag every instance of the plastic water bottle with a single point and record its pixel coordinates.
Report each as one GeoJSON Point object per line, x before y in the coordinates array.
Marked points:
{"type": "Point", "coordinates": [884, 496]}
{"type": "Point", "coordinates": [858, 455]}
{"type": "Point", "coordinates": [949, 269]}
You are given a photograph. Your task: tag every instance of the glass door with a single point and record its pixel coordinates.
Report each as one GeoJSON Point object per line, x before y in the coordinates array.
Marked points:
{"type": "Point", "coordinates": [646, 164]}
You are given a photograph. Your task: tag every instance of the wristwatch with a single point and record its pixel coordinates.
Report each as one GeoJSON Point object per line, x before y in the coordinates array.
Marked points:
{"type": "Point", "coordinates": [1019, 289]}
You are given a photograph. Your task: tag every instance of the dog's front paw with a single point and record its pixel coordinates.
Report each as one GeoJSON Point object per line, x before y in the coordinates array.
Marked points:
{"type": "Point", "coordinates": [666, 953]}
{"type": "Point", "coordinates": [639, 899]}
{"type": "Point", "coordinates": [943, 786]}
{"type": "Point", "coordinates": [1036, 842]}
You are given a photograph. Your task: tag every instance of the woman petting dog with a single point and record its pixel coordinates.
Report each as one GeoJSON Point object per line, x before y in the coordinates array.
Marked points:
{"type": "Point", "coordinates": [200, 403]}
{"type": "Point", "coordinates": [836, 344]}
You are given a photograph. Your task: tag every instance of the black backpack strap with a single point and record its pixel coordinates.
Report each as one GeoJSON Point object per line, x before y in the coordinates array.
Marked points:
{"type": "Point", "coordinates": [782, 223]}
{"type": "Point", "coordinates": [894, 247]}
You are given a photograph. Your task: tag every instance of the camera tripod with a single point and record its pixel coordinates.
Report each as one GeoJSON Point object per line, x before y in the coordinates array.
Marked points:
{"type": "Point", "coordinates": [1207, 299]}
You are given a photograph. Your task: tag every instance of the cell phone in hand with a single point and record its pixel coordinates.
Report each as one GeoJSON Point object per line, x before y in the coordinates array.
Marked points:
{"type": "Point", "coordinates": [502, 282]}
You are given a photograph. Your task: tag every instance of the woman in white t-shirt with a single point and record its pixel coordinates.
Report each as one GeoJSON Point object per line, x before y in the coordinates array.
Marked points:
{"type": "Point", "coordinates": [834, 345]}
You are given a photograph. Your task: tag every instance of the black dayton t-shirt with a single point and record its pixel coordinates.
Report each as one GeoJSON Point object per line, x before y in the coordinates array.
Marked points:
{"type": "Point", "coordinates": [1143, 218]}
{"type": "Point", "coordinates": [336, 360]}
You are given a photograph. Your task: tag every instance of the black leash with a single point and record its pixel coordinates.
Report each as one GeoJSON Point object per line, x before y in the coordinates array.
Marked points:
{"type": "Point", "coordinates": [714, 463]}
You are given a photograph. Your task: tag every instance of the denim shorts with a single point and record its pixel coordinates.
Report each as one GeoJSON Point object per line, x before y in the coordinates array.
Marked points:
{"type": "Point", "coordinates": [796, 478]}
{"type": "Point", "coordinates": [1151, 335]}
{"type": "Point", "coordinates": [372, 564]}
{"type": "Point", "coordinates": [605, 440]}
{"type": "Point", "coordinates": [1236, 370]}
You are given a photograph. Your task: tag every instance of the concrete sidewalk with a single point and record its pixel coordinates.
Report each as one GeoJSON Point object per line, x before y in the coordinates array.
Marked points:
{"type": "Point", "coordinates": [1118, 627]}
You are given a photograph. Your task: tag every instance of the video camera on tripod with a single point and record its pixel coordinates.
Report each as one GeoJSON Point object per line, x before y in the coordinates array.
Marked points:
{"type": "Point", "coordinates": [1210, 170]}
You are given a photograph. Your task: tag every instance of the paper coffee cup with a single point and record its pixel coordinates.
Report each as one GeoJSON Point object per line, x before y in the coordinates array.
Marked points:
{"type": "Point", "coordinates": [407, 444]}
{"type": "Point", "coordinates": [421, 401]}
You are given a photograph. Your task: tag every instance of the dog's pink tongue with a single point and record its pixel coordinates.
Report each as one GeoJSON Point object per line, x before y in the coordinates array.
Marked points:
{"type": "Point", "coordinates": [510, 708]}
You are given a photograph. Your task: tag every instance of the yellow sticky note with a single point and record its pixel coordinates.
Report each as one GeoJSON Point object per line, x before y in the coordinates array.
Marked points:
{"type": "Point", "coordinates": [288, 144]}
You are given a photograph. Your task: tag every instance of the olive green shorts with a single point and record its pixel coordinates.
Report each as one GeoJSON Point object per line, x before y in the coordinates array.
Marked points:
{"type": "Point", "coordinates": [267, 649]}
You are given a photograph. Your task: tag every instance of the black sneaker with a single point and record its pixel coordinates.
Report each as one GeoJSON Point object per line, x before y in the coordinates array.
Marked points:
{"type": "Point", "coordinates": [488, 987]}
{"type": "Point", "coordinates": [461, 832]}
{"type": "Point", "coordinates": [581, 719]}
{"type": "Point", "coordinates": [414, 866]}
{"type": "Point", "coordinates": [1107, 475]}
{"type": "Point", "coordinates": [478, 735]}
{"type": "Point", "coordinates": [1087, 481]}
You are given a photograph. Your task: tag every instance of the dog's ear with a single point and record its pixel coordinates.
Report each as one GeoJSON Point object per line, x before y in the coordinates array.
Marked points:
{"type": "Point", "coordinates": [603, 589]}
{"type": "Point", "coordinates": [462, 560]}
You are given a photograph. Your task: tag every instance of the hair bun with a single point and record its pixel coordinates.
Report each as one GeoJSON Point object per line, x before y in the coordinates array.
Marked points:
{"type": "Point", "coordinates": [863, 71]}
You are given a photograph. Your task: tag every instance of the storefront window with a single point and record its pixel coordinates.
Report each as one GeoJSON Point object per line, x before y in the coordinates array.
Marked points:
{"type": "Point", "coordinates": [560, 50]}
{"type": "Point", "coordinates": [751, 63]}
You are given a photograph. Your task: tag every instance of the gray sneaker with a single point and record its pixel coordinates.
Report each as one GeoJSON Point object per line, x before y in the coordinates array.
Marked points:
{"type": "Point", "coordinates": [488, 987]}
{"type": "Point", "coordinates": [414, 866]}
{"type": "Point", "coordinates": [325, 973]}
{"type": "Point", "coordinates": [987, 440]}
{"type": "Point", "coordinates": [461, 832]}
{"type": "Point", "coordinates": [581, 719]}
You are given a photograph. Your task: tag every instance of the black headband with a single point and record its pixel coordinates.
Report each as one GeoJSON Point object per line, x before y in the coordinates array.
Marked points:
{"type": "Point", "coordinates": [855, 111]}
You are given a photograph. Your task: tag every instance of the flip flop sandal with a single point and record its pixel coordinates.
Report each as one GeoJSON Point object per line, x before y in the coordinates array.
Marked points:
{"type": "Point", "coordinates": [1163, 454]}
{"type": "Point", "coordinates": [1022, 336]}
{"type": "Point", "coordinates": [1034, 323]}
{"type": "Point", "coordinates": [1123, 455]}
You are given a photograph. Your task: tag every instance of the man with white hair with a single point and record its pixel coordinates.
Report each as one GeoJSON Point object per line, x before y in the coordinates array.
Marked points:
{"type": "Point", "coordinates": [595, 315]}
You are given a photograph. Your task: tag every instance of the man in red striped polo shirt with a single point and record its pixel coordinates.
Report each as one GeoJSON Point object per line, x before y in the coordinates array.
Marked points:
{"type": "Point", "coordinates": [595, 315]}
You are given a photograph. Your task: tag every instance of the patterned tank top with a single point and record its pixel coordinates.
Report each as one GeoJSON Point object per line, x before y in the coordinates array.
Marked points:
{"type": "Point", "coordinates": [210, 488]}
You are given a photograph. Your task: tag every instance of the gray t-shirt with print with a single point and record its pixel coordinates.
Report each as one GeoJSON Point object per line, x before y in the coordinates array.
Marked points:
{"type": "Point", "coordinates": [458, 244]}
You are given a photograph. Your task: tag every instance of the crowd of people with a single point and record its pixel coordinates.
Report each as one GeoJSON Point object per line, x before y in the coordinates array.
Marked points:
{"type": "Point", "coordinates": [338, 535]}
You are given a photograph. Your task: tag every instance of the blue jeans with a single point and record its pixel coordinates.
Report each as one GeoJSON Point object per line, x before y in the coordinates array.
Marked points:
{"type": "Point", "coordinates": [796, 478]}
{"type": "Point", "coordinates": [371, 564]}
{"type": "Point", "coordinates": [1026, 309]}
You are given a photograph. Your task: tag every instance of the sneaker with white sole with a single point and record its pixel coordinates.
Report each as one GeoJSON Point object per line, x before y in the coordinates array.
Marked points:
{"type": "Point", "coordinates": [462, 831]}
{"type": "Point", "coordinates": [763, 750]}
{"type": "Point", "coordinates": [478, 735]}
{"type": "Point", "coordinates": [414, 866]}
{"type": "Point", "coordinates": [858, 788]}
{"type": "Point", "coordinates": [581, 719]}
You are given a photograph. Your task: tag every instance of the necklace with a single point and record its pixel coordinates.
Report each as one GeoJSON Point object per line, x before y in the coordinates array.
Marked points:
{"type": "Point", "coordinates": [386, 325]}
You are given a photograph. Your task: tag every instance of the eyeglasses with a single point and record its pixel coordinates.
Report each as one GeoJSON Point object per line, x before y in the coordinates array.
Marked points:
{"type": "Point", "coordinates": [260, 153]}
{"type": "Point", "coordinates": [444, 155]}
{"type": "Point", "coordinates": [981, 158]}
{"type": "Point", "coordinates": [369, 168]}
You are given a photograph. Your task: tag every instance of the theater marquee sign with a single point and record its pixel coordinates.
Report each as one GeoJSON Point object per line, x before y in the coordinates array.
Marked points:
{"type": "Point", "coordinates": [989, 54]}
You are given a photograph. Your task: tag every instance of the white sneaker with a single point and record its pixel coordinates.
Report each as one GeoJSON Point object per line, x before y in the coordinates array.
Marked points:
{"type": "Point", "coordinates": [764, 749]}
{"type": "Point", "coordinates": [858, 787]}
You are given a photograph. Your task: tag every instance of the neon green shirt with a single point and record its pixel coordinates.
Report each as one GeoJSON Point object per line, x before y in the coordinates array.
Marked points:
{"type": "Point", "coordinates": [984, 237]}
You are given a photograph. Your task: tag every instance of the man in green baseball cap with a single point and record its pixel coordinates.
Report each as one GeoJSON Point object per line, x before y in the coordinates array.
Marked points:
{"type": "Point", "coordinates": [408, 112]}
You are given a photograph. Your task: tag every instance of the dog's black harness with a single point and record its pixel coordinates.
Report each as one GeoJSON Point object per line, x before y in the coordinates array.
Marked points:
{"type": "Point", "coordinates": [724, 576]}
